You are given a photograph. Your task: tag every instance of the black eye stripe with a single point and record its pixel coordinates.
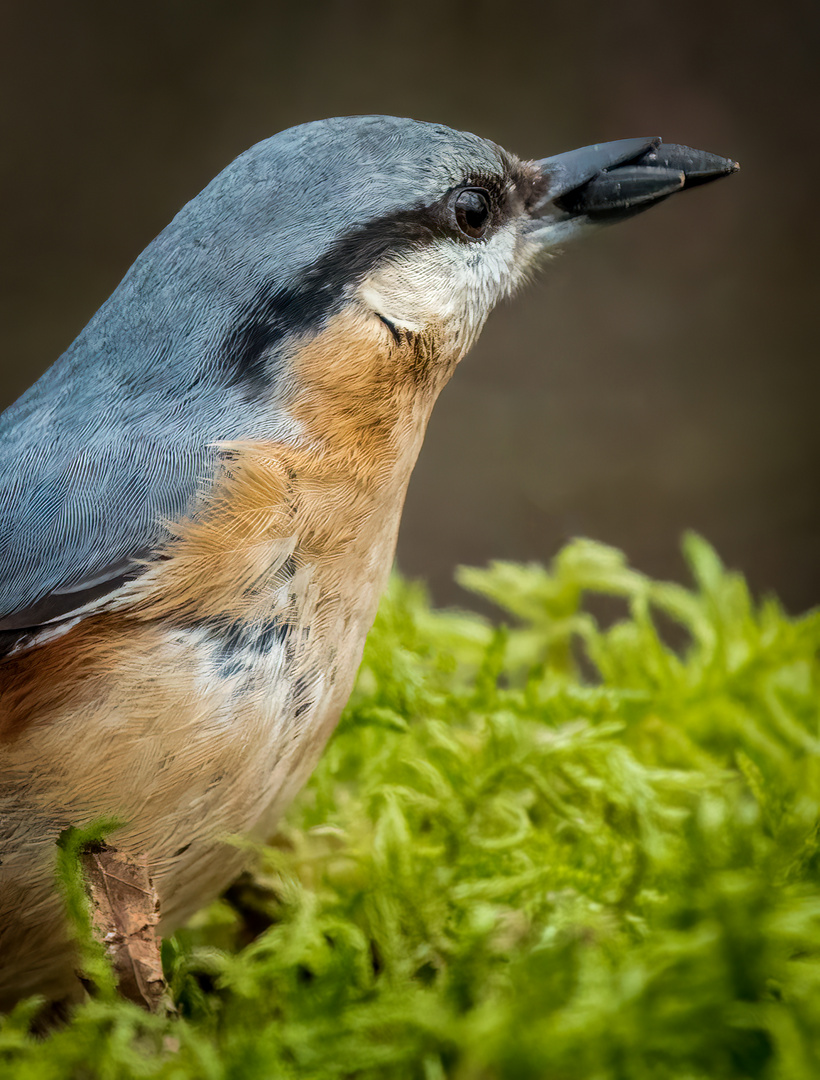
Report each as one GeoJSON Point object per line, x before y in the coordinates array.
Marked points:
{"type": "Point", "coordinates": [277, 311]}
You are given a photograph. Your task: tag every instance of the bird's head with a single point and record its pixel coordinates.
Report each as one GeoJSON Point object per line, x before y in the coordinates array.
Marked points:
{"type": "Point", "coordinates": [385, 242]}
{"type": "Point", "coordinates": [418, 227]}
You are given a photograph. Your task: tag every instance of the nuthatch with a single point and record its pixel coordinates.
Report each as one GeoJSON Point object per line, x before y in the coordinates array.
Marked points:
{"type": "Point", "coordinates": [199, 501]}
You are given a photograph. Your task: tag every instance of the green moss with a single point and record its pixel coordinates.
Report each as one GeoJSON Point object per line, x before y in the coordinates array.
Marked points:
{"type": "Point", "coordinates": [547, 851]}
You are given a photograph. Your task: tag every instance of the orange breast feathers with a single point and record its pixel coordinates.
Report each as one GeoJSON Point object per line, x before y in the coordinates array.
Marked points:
{"type": "Point", "coordinates": [361, 399]}
{"type": "Point", "coordinates": [329, 501]}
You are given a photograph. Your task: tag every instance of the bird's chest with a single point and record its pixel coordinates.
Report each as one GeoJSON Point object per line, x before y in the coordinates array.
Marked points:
{"type": "Point", "coordinates": [211, 683]}
{"type": "Point", "coordinates": [284, 582]}
{"type": "Point", "coordinates": [284, 669]}
{"type": "Point", "coordinates": [207, 718]}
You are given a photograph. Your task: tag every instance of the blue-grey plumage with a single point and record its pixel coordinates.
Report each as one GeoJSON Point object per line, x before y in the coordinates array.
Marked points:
{"type": "Point", "coordinates": [114, 438]}
{"type": "Point", "coordinates": [199, 502]}
{"type": "Point", "coordinates": [97, 454]}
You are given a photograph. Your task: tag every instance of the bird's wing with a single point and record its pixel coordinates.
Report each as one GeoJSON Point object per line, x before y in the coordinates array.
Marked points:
{"type": "Point", "coordinates": [76, 518]}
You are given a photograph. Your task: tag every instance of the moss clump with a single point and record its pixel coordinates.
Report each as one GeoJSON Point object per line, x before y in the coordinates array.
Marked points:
{"type": "Point", "coordinates": [547, 851]}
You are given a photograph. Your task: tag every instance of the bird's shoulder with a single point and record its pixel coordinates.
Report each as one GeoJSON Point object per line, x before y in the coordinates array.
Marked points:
{"type": "Point", "coordinates": [84, 496]}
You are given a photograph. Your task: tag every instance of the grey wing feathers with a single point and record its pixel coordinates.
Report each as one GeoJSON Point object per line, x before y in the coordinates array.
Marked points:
{"type": "Point", "coordinates": [74, 521]}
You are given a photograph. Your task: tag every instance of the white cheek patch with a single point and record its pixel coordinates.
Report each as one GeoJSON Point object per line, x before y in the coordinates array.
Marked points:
{"type": "Point", "coordinates": [383, 305]}
{"type": "Point", "coordinates": [447, 283]}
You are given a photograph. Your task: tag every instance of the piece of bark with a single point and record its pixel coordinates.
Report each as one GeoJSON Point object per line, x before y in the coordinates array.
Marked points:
{"type": "Point", "coordinates": [125, 912]}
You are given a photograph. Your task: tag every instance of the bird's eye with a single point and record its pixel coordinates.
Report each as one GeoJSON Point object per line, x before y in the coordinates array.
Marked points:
{"type": "Point", "coordinates": [472, 211]}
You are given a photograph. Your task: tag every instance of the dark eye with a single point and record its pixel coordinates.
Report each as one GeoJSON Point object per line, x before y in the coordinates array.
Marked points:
{"type": "Point", "coordinates": [472, 210]}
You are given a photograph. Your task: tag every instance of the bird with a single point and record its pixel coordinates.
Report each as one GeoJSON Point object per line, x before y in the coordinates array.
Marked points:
{"type": "Point", "coordinates": [200, 500]}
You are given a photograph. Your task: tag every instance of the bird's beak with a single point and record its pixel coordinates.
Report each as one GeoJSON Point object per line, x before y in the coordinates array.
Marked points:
{"type": "Point", "coordinates": [612, 181]}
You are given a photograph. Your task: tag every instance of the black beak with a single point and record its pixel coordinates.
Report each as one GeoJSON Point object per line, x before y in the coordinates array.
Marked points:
{"type": "Point", "coordinates": [612, 181]}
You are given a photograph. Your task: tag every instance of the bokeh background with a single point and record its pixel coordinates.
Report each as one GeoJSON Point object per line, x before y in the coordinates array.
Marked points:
{"type": "Point", "coordinates": [662, 375]}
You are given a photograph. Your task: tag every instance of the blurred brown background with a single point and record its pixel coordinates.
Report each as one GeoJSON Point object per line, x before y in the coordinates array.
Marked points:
{"type": "Point", "coordinates": [661, 376]}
